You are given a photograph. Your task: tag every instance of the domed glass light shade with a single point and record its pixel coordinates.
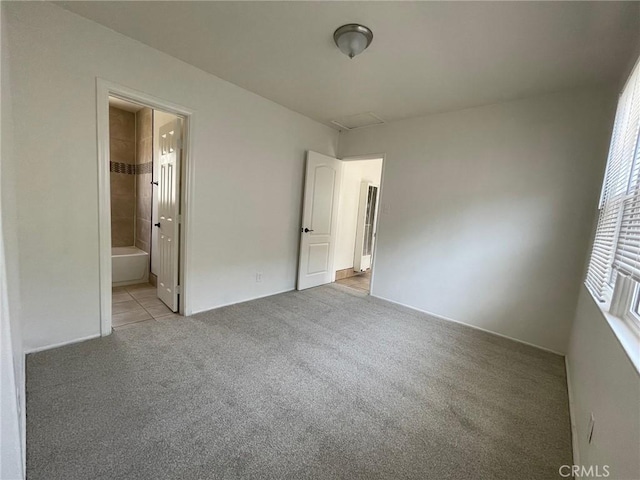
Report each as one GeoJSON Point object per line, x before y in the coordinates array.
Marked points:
{"type": "Point", "coordinates": [352, 39]}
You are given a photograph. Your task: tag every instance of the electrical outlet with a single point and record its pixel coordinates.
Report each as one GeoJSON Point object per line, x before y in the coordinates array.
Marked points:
{"type": "Point", "coordinates": [259, 277]}
{"type": "Point", "coordinates": [592, 423]}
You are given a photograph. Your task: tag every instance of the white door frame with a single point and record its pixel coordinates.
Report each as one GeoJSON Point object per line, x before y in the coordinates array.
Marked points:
{"type": "Point", "coordinates": [380, 190]}
{"type": "Point", "coordinates": [104, 90]}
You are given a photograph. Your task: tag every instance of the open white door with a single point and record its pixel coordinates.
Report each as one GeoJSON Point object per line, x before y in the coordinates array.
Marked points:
{"type": "Point", "coordinates": [319, 220]}
{"type": "Point", "coordinates": [169, 212]}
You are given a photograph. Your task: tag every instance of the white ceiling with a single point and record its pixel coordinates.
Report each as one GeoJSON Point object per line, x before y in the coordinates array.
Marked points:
{"type": "Point", "coordinates": [425, 57]}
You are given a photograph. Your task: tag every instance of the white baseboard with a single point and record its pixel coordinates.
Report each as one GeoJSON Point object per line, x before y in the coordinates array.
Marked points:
{"type": "Point", "coordinates": [90, 337]}
{"type": "Point", "coordinates": [61, 344]}
{"type": "Point", "coordinates": [572, 415]}
{"type": "Point", "coordinates": [468, 325]}
{"type": "Point", "coordinates": [243, 301]}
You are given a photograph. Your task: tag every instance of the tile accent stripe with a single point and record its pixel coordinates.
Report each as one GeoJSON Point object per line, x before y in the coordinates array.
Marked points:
{"type": "Point", "coordinates": [129, 169]}
{"type": "Point", "coordinates": [121, 167]}
{"type": "Point", "coordinates": [144, 168]}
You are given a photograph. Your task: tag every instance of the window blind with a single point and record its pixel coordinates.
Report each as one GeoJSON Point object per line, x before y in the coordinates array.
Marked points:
{"type": "Point", "coordinates": [617, 240]}
{"type": "Point", "coordinates": [627, 256]}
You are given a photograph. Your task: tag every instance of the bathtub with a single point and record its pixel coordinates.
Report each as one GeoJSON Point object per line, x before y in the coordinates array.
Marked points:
{"type": "Point", "coordinates": [129, 265]}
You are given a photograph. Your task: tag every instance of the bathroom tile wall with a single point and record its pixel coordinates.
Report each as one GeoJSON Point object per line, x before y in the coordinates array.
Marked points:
{"type": "Point", "coordinates": [122, 141]}
{"type": "Point", "coordinates": [143, 177]}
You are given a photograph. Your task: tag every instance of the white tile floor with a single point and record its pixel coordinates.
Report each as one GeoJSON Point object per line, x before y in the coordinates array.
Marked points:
{"type": "Point", "coordinates": [137, 303]}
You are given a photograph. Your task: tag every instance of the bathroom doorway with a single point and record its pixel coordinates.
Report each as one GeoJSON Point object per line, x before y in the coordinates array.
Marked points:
{"type": "Point", "coordinates": [144, 167]}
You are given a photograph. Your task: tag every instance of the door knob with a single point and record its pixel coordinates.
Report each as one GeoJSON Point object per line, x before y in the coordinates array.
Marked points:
{"type": "Point", "coordinates": [157, 224]}
{"type": "Point", "coordinates": [307, 230]}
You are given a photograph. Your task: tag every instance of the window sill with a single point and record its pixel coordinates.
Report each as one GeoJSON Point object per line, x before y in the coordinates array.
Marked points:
{"type": "Point", "coordinates": [627, 335]}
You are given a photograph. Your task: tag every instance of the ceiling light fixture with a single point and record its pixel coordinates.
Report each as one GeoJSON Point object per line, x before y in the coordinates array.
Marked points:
{"type": "Point", "coordinates": [352, 39]}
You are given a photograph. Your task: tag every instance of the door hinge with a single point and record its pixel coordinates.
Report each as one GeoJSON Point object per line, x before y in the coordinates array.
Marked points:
{"type": "Point", "coordinates": [179, 289]}
{"type": "Point", "coordinates": [179, 217]}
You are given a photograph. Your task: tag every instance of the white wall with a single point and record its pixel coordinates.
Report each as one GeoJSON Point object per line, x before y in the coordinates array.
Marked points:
{"type": "Point", "coordinates": [242, 224]}
{"type": "Point", "coordinates": [486, 213]}
{"type": "Point", "coordinates": [12, 392]}
{"type": "Point", "coordinates": [354, 172]}
{"type": "Point", "coordinates": [603, 381]}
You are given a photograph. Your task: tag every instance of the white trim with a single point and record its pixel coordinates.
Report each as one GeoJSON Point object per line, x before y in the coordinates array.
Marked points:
{"type": "Point", "coordinates": [631, 314]}
{"type": "Point", "coordinates": [62, 344]}
{"type": "Point", "coordinates": [572, 416]}
{"type": "Point", "coordinates": [627, 337]}
{"type": "Point", "coordinates": [355, 158]}
{"type": "Point", "coordinates": [286, 290]}
{"type": "Point", "coordinates": [104, 89]}
{"type": "Point", "coordinates": [104, 205]}
{"type": "Point", "coordinates": [470, 326]}
{"type": "Point", "coordinates": [186, 215]}
{"type": "Point", "coordinates": [623, 330]}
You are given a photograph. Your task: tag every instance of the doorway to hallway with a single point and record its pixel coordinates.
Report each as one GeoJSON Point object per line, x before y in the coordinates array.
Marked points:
{"type": "Point", "coordinates": [339, 227]}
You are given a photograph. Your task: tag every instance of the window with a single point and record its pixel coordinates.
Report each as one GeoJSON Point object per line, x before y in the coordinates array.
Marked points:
{"type": "Point", "coordinates": [614, 266]}
{"type": "Point", "coordinates": [632, 314]}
